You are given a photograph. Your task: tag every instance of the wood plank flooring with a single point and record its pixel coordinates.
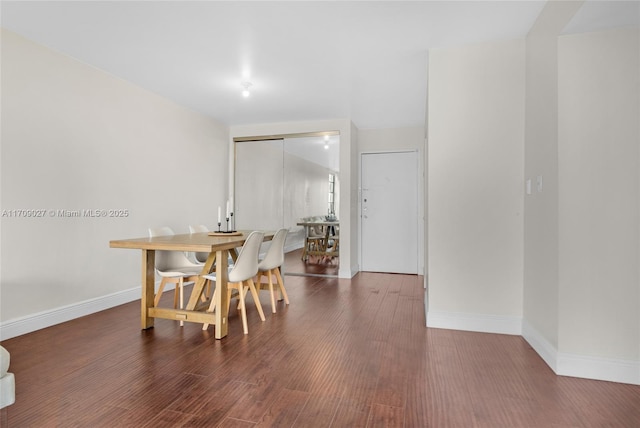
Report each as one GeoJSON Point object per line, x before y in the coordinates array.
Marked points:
{"type": "Point", "coordinates": [345, 353]}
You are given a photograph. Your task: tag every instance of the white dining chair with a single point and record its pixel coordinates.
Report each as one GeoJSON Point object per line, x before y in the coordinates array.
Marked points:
{"type": "Point", "coordinates": [241, 274]}
{"type": "Point", "coordinates": [174, 267]}
{"type": "Point", "coordinates": [270, 266]}
{"type": "Point", "coordinates": [7, 386]}
{"type": "Point", "coordinates": [200, 257]}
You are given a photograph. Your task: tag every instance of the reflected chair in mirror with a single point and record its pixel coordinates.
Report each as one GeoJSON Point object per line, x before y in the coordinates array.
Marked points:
{"type": "Point", "coordinates": [333, 246]}
{"type": "Point", "coordinates": [174, 267]}
{"type": "Point", "coordinates": [270, 266]}
{"type": "Point", "coordinates": [241, 275]}
{"type": "Point", "coordinates": [315, 238]}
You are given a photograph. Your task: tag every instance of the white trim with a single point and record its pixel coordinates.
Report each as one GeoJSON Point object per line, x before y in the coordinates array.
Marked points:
{"type": "Point", "coordinates": [475, 322]}
{"type": "Point", "coordinates": [349, 273]}
{"type": "Point", "coordinates": [40, 320]}
{"type": "Point", "coordinates": [582, 366]}
{"type": "Point", "coordinates": [541, 345]}
{"type": "Point", "coordinates": [426, 301]}
{"type": "Point", "coordinates": [609, 369]}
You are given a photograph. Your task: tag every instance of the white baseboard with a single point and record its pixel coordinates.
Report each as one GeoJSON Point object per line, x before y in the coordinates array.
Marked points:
{"type": "Point", "coordinates": [582, 366]}
{"type": "Point", "coordinates": [609, 369]}
{"type": "Point", "coordinates": [28, 324]}
{"type": "Point", "coordinates": [475, 322]}
{"type": "Point", "coordinates": [541, 345]}
{"type": "Point", "coordinates": [349, 273]}
{"type": "Point", "coordinates": [293, 246]}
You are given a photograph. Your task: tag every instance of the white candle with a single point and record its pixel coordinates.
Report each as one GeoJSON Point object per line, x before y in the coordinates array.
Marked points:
{"type": "Point", "coordinates": [227, 208]}
{"type": "Point", "coordinates": [231, 205]}
{"type": "Point", "coordinates": [219, 214]}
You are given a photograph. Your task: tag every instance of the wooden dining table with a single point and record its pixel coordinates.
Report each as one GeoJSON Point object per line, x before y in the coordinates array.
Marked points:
{"type": "Point", "coordinates": [219, 246]}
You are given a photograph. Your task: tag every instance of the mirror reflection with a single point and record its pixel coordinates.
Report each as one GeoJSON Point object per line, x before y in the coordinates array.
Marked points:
{"type": "Point", "coordinates": [293, 183]}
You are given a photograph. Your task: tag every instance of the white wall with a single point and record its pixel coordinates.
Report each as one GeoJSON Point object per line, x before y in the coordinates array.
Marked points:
{"type": "Point", "coordinates": [74, 138]}
{"type": "Point", "coordinates": [582, 257]}
{"type": "Point", "coordinates": [348, 176]}
{"type": "Point", "coordinates": [599, 189]}
{"type": "Point", "coordinates": [381, 140]}
{"type": "Point", "coordinates": [541, 159]}
{"type": "Point", "coordinates": [475, 176]}
{"type": "Point", "coordinates": [390, 139]}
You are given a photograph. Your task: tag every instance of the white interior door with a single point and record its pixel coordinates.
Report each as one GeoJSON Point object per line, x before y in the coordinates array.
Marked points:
{"type": "Point", "coordinates": [389, 212]}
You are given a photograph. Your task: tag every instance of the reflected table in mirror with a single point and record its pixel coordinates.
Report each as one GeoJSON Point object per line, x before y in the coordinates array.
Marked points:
{"type": "Point", "coordinates": [322, 238]}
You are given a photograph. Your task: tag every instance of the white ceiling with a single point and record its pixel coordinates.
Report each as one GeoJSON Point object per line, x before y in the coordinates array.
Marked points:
{"type": "Point", "coordinates": [306, 60]}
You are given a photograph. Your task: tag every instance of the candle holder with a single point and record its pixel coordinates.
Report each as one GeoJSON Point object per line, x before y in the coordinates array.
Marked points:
{"type": "Point", "coordinates": [219, 227]}
{"type": "Point", "coordinates": [228, 225]}
{"type": "Point", "coordinates": [232, 225]}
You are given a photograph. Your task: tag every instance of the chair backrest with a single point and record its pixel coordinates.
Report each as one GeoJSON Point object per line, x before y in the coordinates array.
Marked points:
{"type": "Point", "coordinates": [160, 231]}
{"type": "Point", "coordinates": [317, 230]}
{"type": "Point", "coordinates": [168, 260]}
{"type": "Point", "coordinates": [246, 265]}
{"type": "Point", "coordinates": [275, 254]}
{"type": "Point", "coordinates": [199, 228]}
{"type": "Point", "coordinates": [200, 257]}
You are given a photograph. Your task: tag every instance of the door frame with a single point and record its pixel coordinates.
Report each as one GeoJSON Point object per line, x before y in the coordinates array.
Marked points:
{"type": "Point", "coordinates": [420, 175]}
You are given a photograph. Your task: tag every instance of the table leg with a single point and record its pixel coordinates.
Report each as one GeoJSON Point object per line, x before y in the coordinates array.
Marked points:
{"type": "Point", "coordinates": [148, 287]}
{"type": "Point", "coordinates": [198, 288]}
{"type": "Point", "coordinates": [221, 303]}
{"type": "Point", "coordinates": [326, 240]}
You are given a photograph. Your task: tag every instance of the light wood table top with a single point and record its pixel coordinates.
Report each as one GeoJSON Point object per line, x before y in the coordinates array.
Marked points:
{"type": "Point", "coordinates": [200, 242]}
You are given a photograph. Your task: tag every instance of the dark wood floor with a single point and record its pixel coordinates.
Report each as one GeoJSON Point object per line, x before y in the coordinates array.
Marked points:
{"type": "Point", "coordinates": [345, 353]}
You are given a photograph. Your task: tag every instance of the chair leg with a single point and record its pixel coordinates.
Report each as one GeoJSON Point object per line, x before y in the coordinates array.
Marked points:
{"type": "Point", "coordinates": [256, 298]}
{"type": "Point", "coordinates": [243, 310]}
{"type": "Point", "coordinates": [176, 295]}
{"type": "Point", "coordinates": [281, 285]}
{"type": "Point", "coordinates": [181, 286]}
{"type": "Point", "coordinates": [273, 297]}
